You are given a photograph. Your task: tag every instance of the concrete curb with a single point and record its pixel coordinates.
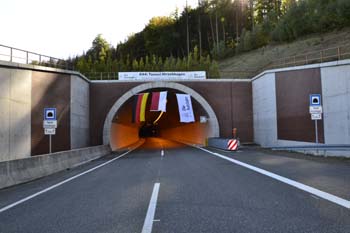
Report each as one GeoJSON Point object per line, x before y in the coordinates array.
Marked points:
{"type": "Point", "coordinates": [23, 170]}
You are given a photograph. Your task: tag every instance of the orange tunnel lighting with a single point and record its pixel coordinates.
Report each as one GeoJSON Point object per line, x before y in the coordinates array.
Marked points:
{"type": "Point", "coordinates": [164, 125]}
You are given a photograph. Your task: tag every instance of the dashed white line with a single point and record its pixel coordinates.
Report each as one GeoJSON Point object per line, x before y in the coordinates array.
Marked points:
{"type": "Point", "coordinates": [306, 188]}
{"type": "Point", "coordinates": [148, 224]}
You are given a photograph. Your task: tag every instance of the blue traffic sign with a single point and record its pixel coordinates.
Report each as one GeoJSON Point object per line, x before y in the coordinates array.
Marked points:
{"type": "Point", "coordinates": [315, 100]}
{"type": "Point", "coordinates": [50, 114]}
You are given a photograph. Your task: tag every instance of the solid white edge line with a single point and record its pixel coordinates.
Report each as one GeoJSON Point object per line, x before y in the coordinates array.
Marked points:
{"type": "Point", "coordinates": [60, 183]}
{"type": "Point", "coordinates": [148, 224]}
{"type": "Point", "coordinates": [327, 196]}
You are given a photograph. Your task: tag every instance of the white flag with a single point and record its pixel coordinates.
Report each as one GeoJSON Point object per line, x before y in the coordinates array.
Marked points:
{"type": "Point", "coordinates": [159, 101]}
{"type": "Point", "coordinates": [185, 108]}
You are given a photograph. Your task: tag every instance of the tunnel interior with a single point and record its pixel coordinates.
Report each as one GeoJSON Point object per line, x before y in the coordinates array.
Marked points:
{"type": "Point", "coordinates": [124, 132]}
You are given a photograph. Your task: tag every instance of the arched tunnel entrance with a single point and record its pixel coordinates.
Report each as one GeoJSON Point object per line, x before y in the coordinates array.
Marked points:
{"type": "Point", "coordinates": [120, 132]}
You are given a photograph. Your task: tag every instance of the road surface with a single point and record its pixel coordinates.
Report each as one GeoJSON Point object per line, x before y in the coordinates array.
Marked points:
{"type": "Point", "coordinates": [184, 190]}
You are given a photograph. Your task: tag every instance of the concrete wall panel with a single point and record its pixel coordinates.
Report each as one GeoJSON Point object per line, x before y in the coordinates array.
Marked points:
{"type": "Point", "coordinates": [80, 110]}
{"type": "Point", "coordinates": [5, 77]}
{"type": "Point", "coordinates": [15, 117]}
{"type": "Point", "coordinates": [264, 108]}
{"type": "Point", "coordinates": [5, 82]}
{"type": "Point", "coordinates": [5, 128]}
{"type": "Point", "coordinates": [336, 104]}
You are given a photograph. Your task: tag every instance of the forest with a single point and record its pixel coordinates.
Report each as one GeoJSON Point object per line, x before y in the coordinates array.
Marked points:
{"type": "Point", "coordinates": [196, 38]}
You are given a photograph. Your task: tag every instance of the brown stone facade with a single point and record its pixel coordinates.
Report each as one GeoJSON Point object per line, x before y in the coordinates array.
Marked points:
{"type": "Point", "coordinates": [50, 90]}
{"type": "Point", "coordinates": [231, 102]}
{"type": "Point", "coordinates": [292, 99]}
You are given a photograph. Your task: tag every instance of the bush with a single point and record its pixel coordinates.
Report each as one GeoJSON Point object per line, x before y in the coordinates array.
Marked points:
{"type": "Point", "coordinates": [221, 51]}
{"type": "Point", "coordinates": [310, 16]}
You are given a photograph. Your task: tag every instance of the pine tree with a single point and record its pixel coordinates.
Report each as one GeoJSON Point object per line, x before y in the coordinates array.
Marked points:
{"type": "Point", "coordinates": [141, 64]}
{"type": "Point", "coordinates": [135, 65]}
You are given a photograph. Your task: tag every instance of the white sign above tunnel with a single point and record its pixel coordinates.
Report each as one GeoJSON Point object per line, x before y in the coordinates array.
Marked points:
{"type": "Point", "coordinates": [161, 76]}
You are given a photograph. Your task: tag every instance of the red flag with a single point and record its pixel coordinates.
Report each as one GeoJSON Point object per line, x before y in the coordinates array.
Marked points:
{"type": "Point", "coordinates": [159, 101]}
{"type": "Point", "coordinates": [139, 107]}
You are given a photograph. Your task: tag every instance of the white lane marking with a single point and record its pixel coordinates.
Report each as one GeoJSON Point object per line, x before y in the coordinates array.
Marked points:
{"type": "Point", "coordinates": [327, 196]}
{"type": "Point", "coordinates": [147, 225]}
{"type": "Point", "coordinates": [60, 183]}
{"type": "Point", "coordinates": [162, 153]}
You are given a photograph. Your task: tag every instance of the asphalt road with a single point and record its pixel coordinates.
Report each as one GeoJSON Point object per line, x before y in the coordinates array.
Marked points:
{"type": "Point", "coordinates": [198, 192]}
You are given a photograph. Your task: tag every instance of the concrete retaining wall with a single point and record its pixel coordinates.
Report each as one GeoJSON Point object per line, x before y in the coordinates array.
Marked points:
{"type": "Point", "coordinates": [265, 113]}
{"type": "Point", "coordinates": [15, 113]}
{"type": "Point", "coordinates": [23, 170]}
{"type": "Point", "coordinates": [80, 110]}
{"type": "Point", "coordinates": [335, 79]}
{"type": "Point", "coordinates": [264, 110]}
{"type": "Point", "coordinates": [336, 104]}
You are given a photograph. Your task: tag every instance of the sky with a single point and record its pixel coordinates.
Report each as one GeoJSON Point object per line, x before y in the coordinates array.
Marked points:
{"type": "Point", "coordinates": [63, 28]}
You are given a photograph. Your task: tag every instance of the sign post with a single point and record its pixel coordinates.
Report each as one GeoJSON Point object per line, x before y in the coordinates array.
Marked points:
{"type": "Point", "coordinates": [50, 124]}
{"type": "Point", "coordinates": [315, 111]}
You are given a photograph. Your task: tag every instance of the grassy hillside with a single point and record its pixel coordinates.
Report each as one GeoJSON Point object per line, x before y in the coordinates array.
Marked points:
{"type": "Point", "coordinates": [246, 65]}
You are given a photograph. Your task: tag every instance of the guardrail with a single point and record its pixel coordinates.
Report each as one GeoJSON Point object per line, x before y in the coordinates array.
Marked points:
{"type": "Point", "coordinates": [320, 56]}
{"type": "Point", "coordinates": [102, 75]}
{"type": "Point", "coordinates": [16, 55]}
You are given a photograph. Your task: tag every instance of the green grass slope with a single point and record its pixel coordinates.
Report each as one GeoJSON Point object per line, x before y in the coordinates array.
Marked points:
{"type": "Point", "coordinates": [247, 65]}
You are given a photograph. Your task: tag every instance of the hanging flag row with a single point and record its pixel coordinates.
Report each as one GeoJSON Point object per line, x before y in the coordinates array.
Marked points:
{"type": "Point", "coordinates": [159, 101]}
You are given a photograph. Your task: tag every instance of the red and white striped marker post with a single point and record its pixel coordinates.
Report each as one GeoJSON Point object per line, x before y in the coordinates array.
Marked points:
{"type": "Point", "coordinates": [232, 144]}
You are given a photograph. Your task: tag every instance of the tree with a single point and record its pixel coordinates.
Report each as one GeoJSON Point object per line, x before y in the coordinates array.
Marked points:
{"type": "Point", "coordinates": [159, 36]}
{"type": "Point", "coordinates": [99, 49]}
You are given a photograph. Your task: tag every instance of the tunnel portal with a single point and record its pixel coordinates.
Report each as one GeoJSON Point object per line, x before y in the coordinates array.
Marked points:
{"type": "Point", "coordinates": [123, 132]}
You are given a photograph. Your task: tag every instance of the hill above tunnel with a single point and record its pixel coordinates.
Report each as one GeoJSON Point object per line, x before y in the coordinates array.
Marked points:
{"type": "Point", "coordinates": [247, 65]}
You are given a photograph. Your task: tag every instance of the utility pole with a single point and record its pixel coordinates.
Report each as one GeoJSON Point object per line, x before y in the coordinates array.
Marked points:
{"type": "Point", "coordinates": [252, 12]}
{"type": "Point", "coordinates": [199, 28]}
{"type": "Point", "coordinates": [217, 28]}
{"type": "Point", "coordinates": [187, 31]}
{"type": "Point", "coordinates": [237, 12]}
{"type": "Point", "coordinates": [239, 9]}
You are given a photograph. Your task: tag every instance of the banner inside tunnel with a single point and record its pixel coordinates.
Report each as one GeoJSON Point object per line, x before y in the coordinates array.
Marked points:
{"type": "Point", "coordinates": [158, 103]}
{"type": "Point", "coordinates": [139, 107]}
{"type": "Point", "coordinates": [185, 108]}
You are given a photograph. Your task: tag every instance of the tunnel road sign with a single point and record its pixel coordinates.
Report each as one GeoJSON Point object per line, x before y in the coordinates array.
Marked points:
{"type": "Point", "coordinates": [50, 124]}
{"type": "Point", "coordinates": [49, 113]}
{"type": "Point", "coordinates": [316, 116]}
{"type": "Point", "coordinates": [50, 131]}
{"type": "Point", "coordinates": [315, 109]}
{"type": "Point", "coordinates": [315, 100]}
